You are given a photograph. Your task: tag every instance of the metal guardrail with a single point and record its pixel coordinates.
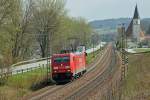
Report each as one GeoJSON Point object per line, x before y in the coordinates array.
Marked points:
{"type": "Point", "coordinates": [10, 73]}
{"type": "Point", "coordinates": [28, 61]}
{"type": "Point", "coordinates": [41, 59]}
{"type": "Point", "coordinates": [20, 71]}
{"type": "Point", "coordinates": [36, 60]}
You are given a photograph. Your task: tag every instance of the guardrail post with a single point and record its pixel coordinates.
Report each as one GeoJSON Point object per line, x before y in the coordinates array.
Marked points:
{"type": "Point", "coordinates": [11, 73]}
{"type": "Point", "coordinates": [27, 69]}
{"type": "Point", "coordinates": [22, 70]}
{"type": "Point", "coordinates": [39, 65]}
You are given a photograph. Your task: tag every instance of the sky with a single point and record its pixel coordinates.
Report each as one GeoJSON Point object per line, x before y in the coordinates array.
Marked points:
{"type": "Point", "coordinates": [106, 9]}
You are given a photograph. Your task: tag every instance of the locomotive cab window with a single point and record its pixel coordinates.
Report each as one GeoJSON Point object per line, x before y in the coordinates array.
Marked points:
{"type": "Point", "coordinates": [61, 59]}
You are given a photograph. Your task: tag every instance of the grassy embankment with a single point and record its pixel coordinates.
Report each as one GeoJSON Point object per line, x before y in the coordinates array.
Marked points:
{"type": "Point", "coordinates": [137, 83]}
{"type": "Point", "coordinates": [142, 50]}
{"type": "Point", "coordinates": [18, 85]}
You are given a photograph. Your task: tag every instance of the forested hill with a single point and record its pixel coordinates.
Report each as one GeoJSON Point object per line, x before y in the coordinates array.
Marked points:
{"type": "Point", "coordinates": [113, 23]}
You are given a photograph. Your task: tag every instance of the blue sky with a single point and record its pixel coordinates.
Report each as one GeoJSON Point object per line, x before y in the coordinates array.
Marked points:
{"type": "Point", "coordinates": [105, 9]}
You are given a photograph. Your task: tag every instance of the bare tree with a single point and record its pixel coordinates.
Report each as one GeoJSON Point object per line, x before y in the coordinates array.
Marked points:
{"type": "Point", "coordinates": [46, 21]}
{"type": "Point", "coordinates": [15, 30]}
{"type": "Point", "coordinates": [21, 35]}
{"type": "Point", "coordinates": [5, 10]}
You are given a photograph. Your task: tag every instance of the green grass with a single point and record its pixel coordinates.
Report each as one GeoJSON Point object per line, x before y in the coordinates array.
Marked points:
{"type": "Point", "coordinates": [138, 78]}
{"type": "Point", "coordinates": [90, 57]}
{"type": "Point", "coordinates": [25, 78]}
{"type": "Point", "coordinates": [18, 85]}
{"type": "Point", "coordinates": [142, 50]}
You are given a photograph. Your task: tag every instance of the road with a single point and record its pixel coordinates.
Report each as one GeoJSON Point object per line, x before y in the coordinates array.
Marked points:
{"type": "Point", "coordinates": [102, 70]}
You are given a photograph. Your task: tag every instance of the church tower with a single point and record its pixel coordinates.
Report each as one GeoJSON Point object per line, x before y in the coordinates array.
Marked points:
{"type": "Point", "coordinates": [136, 27]}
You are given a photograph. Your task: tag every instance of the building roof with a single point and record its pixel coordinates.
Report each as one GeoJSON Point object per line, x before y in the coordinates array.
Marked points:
{"type": "Point", "coordinates": [129, 29]}
{"type": "Point", "coordinates": [147, 37]}
{"type": "Point", "coordinates": [142, 34]}
{"type": "Point", "coordinates": [136, 13]}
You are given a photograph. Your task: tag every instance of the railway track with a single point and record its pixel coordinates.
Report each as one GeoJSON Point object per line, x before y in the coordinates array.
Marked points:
{"type": "Point", "coordinates": [85, 91]}
{"type": "Point", "coordinates": [58, 92]}
{"type": "Point", "coordinates": [52, 88]}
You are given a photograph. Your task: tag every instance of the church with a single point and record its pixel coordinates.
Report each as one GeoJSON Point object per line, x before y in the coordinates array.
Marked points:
{"type": "Point", "coordinates": [134, 32]}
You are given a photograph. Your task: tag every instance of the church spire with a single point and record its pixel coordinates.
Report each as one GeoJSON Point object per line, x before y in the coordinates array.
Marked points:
{"type": "Point", "coordinates": [136, 13]}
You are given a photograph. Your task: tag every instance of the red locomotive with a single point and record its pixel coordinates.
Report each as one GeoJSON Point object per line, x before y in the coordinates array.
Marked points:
{"type": "Point", "coordinates": [67, 66]}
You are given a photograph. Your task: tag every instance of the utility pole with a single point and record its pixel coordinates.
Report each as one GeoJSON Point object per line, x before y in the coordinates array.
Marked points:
{"type": "Point", "coordinates": [100, 45]}
{"type": "Point", "coordinates": [93, 48]}
{"type": "Point", "coordinates": [93, 37]}
{"type": "Point", "coordinates": [48, 58]}
{"type": "Point", "coordinates": [73, 43]}
{"type": "Point", "coordinates": [84, 40]}
{"type": "Point", "coordinates": [124, 56]}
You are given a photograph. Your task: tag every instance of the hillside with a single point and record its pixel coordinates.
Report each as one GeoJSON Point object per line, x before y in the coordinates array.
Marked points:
{"type": "Point", "coordinates": [109, 23]}
{"type": "Point", "coordinates": [113, 23]}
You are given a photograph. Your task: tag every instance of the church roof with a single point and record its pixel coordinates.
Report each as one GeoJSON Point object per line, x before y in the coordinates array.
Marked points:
{"type": "Point", "coordinates": [136, 13]}
{"type": "Point", "coordinates": [129, 29]}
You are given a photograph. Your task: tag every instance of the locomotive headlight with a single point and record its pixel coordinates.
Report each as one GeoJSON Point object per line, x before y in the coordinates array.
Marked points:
{"type": "Point", "coordinates": [55, 68]}
{"type": "Point", "coordinates": [67, 66]}
{"type": "Point", "coordinates": [68, 70]}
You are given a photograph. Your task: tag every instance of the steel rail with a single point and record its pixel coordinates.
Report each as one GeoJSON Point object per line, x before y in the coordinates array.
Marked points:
{"type": "Point", "coordinates": [82, 92]}
{"type": "Point", "coordinates": [58, 87]}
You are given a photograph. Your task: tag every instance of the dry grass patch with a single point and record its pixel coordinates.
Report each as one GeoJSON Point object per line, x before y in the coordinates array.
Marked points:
{"type": "Point", "coordinates": [138, 78]}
